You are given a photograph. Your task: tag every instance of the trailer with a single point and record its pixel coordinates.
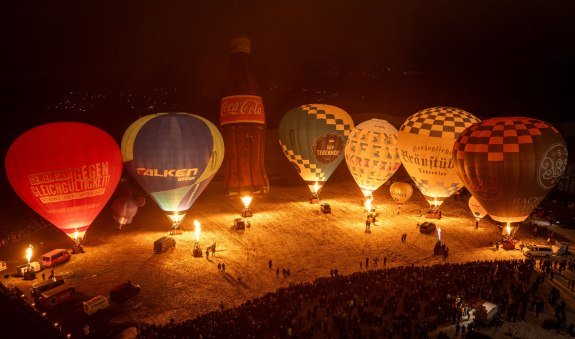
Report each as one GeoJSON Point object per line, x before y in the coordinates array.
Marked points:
{"type": "Point", "coordinates": [56, 296]}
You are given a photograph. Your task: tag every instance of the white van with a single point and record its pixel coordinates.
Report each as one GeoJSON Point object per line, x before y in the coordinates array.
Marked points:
{"type": "Point", "coordinates": [95, 304]}
{"type": "Point", "coordinates": [541, 251]}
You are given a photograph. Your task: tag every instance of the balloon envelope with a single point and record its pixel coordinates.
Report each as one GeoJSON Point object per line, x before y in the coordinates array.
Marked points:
{"type": "Point", "coordinates": [425, 143]}
{"type": "Point", "coordinates": [401, 192]}
{"type": "Point", "coordinates": [124, 209]}
{"type": "Point", "coordinates": [371, 154]}
{"type": "Point", "coordinates": [66, 172]}
{"type": "Point", "coordinates": [478, 211]}
{"type": "Point", "coordinates": [313, 138]}
{"type": "Point", "coordinates": [173, 156]}
{"type": "Point", "coordinates": [509, 164]}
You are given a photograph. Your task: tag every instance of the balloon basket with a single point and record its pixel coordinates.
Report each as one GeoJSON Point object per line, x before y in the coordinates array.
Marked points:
{"type": "Point", "coordinates": [176, 231]}
{"type": "Point", "coordinates": [438, 249]}
{"type": "Point", "coordinates": [433, 213]}
{"type": "Point", "coordinates": [197, 253]}
{"type": "Point", "coordinates": [29, 275]}
{"type": "Point", "coordinates": [247, 213]}
{"type": "Point", "coordinates": [313, 200]}
{"type": "Point", "coordinates": [508, 245]}
{"type": "Point", "coordinates": [77, 249]}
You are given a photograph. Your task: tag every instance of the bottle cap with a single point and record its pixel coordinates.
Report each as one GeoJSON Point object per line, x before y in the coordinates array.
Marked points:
{"type": "Point", "coordinates": [240, 44]}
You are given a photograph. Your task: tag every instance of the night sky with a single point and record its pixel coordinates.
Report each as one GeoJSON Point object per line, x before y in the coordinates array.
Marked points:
{"type": "Point", "coordinates": [108, 62]}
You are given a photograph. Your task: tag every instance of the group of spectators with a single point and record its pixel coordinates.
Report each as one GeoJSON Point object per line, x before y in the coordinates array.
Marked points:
{"type": "Point", "coordinates": [405, 302]}
{"type": "Point", "coordinates": [10, 234]}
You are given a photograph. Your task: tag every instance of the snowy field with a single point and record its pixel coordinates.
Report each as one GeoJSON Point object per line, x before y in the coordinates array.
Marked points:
{"type": "Point", "coordinates": [285, 228]}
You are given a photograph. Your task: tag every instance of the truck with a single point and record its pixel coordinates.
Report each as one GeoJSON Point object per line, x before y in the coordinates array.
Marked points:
{"type": "Point", "coordinates": [43, 286]}
{"type": "Point", "coordinates": [56, 296]}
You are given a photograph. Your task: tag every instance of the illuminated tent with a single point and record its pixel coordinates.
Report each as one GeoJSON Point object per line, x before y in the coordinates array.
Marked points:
{"type": "Point", "coordinates": [509, 164]}
{"type": "Point", "coordinates": [173, 156]}
{"type": "Point", "coordinates": [66, 172]}
{"type": "Point", "coordinates": [425, 143]}
{"type": "Point", "coordinates": [371, 154]}
{"type": "Point", "coordinates": [313, 138]}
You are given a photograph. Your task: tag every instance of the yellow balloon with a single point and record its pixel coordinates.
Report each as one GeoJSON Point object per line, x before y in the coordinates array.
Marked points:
{"type": "Point", "coordinates": [425, 143]}
{"type": "Point", "coordinates": [401, 192]}
{"type": "Point", "coordinates": [371, 154]}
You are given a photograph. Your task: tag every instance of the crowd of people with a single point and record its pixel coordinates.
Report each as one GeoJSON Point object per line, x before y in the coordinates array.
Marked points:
{"type": "Point", "coordinates": [10, 234]}
{"type": "Point", "coordinates": [398, 302]}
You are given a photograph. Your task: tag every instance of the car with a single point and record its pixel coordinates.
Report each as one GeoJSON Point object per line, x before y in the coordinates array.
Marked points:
{"type": "Point", "coordinates": [325, 208]}
{"type": "Point", "coordinates": [537, 251]}
{"type": "Point", "coordinates": [123, 292]}
{"type": "Point", "coordinates": [427, 227]}
{"type": "Point", "coordinates": [163, 244]}
{"type": "Point", "coordinates": [95, 304]}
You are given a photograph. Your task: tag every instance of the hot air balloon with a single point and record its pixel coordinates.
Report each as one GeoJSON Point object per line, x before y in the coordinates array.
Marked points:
{"type": "Point", "coordinates": [371, 154]}
{"type": "Point", "coordinates": [313, 138]}
{"type": "Point", "coordinates": [425, 142]}
{"type": "Point", "coordinates": [401, 192]}
{"type": "Point", "coordinates": [173, 156]}
{"type": "Point", "coordinates": [478, 211]}
{"type": "Point", "coordinates": [509, 164]}
{"type": "Point", "coordinates": [123, 210]}
{"type": "Point", "coordinates": [66, 172]}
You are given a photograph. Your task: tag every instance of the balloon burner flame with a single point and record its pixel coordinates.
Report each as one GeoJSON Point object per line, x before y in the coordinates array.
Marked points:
{"type": "Point", "coordinates": [197, 230]}
{"type": "Point", "coordinates": [29, 253]}
{"type": "Point", "coordinates": [246, 200]}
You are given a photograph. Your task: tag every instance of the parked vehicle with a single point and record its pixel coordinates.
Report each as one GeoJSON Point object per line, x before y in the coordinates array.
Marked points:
{"type": "Point", "coordinates": [325, 208]}
{"type": "Point", "coordinates": [540, 251]}
{"type": "Point", "coordinates": [43, 286]}
{"type": "Point", "coordinates": [427, 227]}
{"type": "Point", "coordinates": [3, 266]}
{"type": "Point", "coordinates": [123, 292]}
{"type": "Point", "coordinates": [163, 244]}
{"type": "Point", "coordinates": [55, 257]}
{"type": "Point", "coordinates": [239, 224]}
{"type": "Point", "coordinates": [33, 265]}
{"type": "Point", "coordinates": [95, 304]}
{"type": "Point", "coordinates": [56, 296]}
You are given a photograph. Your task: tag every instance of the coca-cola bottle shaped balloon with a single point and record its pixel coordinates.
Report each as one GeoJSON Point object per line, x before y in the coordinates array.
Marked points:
{"type": "Point", "coordinates": [243, 127]}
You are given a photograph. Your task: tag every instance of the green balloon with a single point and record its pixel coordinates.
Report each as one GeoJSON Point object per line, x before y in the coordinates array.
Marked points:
{"type": "Point", "coordinates": [313, 139]}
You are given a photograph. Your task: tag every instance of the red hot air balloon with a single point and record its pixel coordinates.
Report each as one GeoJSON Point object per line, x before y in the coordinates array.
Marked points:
{"type": "Point", "coordinates": [66, 172]}
{"type": "Point", "coordinates": [510, 164]}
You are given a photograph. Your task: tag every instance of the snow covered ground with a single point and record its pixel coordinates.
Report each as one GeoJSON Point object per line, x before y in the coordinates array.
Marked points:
{"type": "Point", "coordinates": [285, 228]}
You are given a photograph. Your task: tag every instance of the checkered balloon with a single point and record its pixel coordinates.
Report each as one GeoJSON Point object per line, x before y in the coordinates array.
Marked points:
{"type": "Point", "coordinates": [509, 164]}
{"type": "Point", "coordinates": [425, 144]}
{"type": "Point", "coordinates": [313, 137]}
